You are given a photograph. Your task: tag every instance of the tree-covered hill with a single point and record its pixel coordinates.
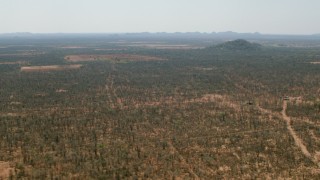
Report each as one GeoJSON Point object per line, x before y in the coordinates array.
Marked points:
{"type": "Point", "coordinates": [237, 45]}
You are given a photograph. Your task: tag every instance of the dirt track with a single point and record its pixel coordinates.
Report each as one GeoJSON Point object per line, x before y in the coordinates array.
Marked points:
{"type": "Point", "coordinates": [297, 140]}
{"type": "Point", "coordinates": [173, 150]}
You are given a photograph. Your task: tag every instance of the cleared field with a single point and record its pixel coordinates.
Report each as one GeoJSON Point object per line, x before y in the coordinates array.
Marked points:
{"type": "Point", "coordinates": [314, 62]}
{"type": "Point", "coordinates": [13, 63]}
{"type": "Point", "coordinates": [22, 54]}
{"type": "Point", "coordinates": [73, 47]}
{"type": "Point", "coordinates": [111, 57]}
{"type": "Point", "coordinates": [111, 49]}
{"type": "Point", "coordinates": [164, 46]}
{"type": "Point", "coordinates": [50, 68]}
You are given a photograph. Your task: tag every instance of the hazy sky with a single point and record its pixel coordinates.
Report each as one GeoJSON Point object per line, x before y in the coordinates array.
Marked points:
{"type": "Point", "coordinates": [265, 16]}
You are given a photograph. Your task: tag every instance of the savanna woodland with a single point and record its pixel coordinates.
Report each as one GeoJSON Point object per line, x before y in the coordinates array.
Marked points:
{"type": "Point", "coordinates": [141, 106]}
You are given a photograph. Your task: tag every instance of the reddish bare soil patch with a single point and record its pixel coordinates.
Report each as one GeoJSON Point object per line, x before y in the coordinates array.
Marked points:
{"type": "Point", "coordinates": [317, 155]}
{"type": "Point", "coordinates": [50, 68]}
{"type": "Point", "coordinates": [5, 170]}
{"type": "Point", "coordinates": [111, 57]}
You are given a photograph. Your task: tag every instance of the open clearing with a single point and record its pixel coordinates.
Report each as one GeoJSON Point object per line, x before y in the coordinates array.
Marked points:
{"type": "Point", "coordinates": [315, 62]}
{"type": "Point", "coordinates": [29, 53]}
{"type": "Point", "coordinates": [111, 57]}
{"type": "Point", "coordinates": [111, 49]}
{"type": "Point", "coordinates": [13, 62]}
{"type": "Point", "coordinates": [50, 68]}
{"type": "Point", "coordinates": [5, 170]}
{"type": "Point", "coordinates": [73, 47]}
{"type": "Point", "coordinates": [164, 46]}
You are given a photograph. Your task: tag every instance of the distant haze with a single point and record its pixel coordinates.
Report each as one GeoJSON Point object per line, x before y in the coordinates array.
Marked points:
{"type": "Point", "coordinates": [107, 16]}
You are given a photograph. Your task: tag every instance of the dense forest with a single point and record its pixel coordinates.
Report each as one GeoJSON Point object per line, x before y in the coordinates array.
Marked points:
{"type": "Point", "coordinates": [152, 109]}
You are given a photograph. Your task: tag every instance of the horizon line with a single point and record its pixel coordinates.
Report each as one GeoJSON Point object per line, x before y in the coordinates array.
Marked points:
{"type": "Point", "coordinates": [164, 32]}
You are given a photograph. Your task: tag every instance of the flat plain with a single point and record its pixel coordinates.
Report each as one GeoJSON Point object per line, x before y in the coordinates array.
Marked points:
{"type": "Point", "coordinates": [152, 108]}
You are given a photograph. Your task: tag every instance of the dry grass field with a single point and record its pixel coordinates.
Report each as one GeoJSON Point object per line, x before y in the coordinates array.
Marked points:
{"type": "Point", "coordinates": [314, 62]}
{"type": "Point", "coordinates": [165, 46]}
{"type": "Point", "coordinates": [50, 68]}
{"type": "Point", "coordinates": [13, 63]}
{"type": "Point", "coordinates": [111, 57]}
{"type": "Point", "coordinates": [22, 54]}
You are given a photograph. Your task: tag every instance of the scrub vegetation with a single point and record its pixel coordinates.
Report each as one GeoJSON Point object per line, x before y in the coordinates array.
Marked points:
{"type": "Point", "coordinates": [105, 109]}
